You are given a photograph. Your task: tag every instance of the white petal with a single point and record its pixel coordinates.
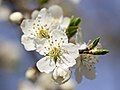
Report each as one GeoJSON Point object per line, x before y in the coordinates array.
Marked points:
{"type": "Point", "coordinates": [42, 13]}
{"type": "Point", "coordinates": [45, 65]}
{"type": "Point", "coordinates": [28, 43]}
{"type": "Point", "coordinates": [61, 63]}
{"type": "Point", "coordinates": [26, 26]}
{"type": "Point", "coordinates": [44, 19]}
{"type": "Point", "coordinates": [78, 62]}
{"type": "Point", "coordinates": [59, 37]}
{"type": "Point", "coordinates": [83, 46]}
{"type": "Point", "coordinates": [34, 14]}
{"type": "Point", "coordinates": [43, 49]}
{"type": "Point", "coordinates": [61, 75]}
{"type": "Point", "coordinates": [78, 75]}
{"type": "Point", "coordinates": [78, 37]}
{"type": "Point", "coordinates": [71, 49]}
{"type": "Point", "coordinates": [41, 44]}
{"type": "Point", "coordinates": [89, 74]}
{"type": "Point", "coordinates": [65, 23]}
{"type": "Point", "coordinates": [40, 41]}
{"type": "Point", "coordinates": [68, 60]}
{"type": "Point", "coordinates": [56, 11]}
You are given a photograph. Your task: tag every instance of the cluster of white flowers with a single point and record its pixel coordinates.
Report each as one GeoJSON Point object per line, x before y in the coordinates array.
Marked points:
{"type": "Point", "coordinates": [46, 33]}
{"type": "Point", "coordinates": [85, 65]}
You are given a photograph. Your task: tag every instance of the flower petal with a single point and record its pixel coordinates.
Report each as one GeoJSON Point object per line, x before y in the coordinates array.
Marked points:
{"type": "Point", "coordinates": [44, 18]}
{"type": "Point", "coordinates": [83, 46]}
{"type": "Point", "coordinates": [78, 62]}
{"type": "Point", "coordinates": [26, 26]}
{"type": "Point", "coordinates": [56, 11]}
{"type": "Point", "coordinates": [28, 43]}
{"type": "Point", "coordinates": [46, 65]}
{"type": "Point", "coordinates": [68, 60]}
{"type": "Point", "coordinates": [71, 49]}
{"type": "Point", "coordinates": [78, 75]}
{"type": "Point", "coordinates": [78, 37]}
{"type": "Point", "coordinates": [43, 49]}
{"type": "Point", "coordinates": [42, 13]}
{"type": "Point", "coordinates": [61, 63]}
{"type": "Point", "coordinates": [65, 23]}
{"type": "Point", "coordinates": [89, 74]}
{"type": "Point", "coordinates": [34, 14]}
{"type": "Point", "coordinates": [59, 37]}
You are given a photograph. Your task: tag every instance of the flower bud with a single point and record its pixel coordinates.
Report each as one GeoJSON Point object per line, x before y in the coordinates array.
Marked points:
{"type": "Point", "coordinates": [99, 51]}
{"type": "Point", "coordinates": [16, 17]}
{"type": "Point", "coordinates": [61, 75]}
{"type": "Point", "coordinates": [94, 43]}
{"type": "Point", "coordinates": [32, 73]}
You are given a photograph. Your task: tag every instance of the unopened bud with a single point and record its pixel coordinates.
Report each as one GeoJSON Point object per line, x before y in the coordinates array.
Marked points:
{"type": "Point", "coordinates": [60, 75]}
{"type": "Point", "coordinates": [32, 73]}
{"type": "Point", "coordinates": [99, 51]}
{"type": "Point", "coordinates": [16, 17]}
{"type": "Point", "coordinates": [94, 43]}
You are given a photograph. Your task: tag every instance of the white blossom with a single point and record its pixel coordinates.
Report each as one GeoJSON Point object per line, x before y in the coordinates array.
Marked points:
{"type": "Point", "coordinates": [85, 65]}
{"type": "Point", "coordinates": [57, 52]}
{"type": "Point", "coordinates": [38, 29]}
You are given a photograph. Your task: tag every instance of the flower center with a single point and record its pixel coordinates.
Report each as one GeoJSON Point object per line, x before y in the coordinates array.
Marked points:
{"type": "Point", "coordinates": [43, 33]}
{"type": "Point", "coordinates": [54, 53]}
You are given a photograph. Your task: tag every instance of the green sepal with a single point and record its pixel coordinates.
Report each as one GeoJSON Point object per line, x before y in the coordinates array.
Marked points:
{"type": "Point", "coordinates": [94, 43]}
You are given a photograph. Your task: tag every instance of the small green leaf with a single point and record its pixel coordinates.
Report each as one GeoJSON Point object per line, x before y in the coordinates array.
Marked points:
{"type": "Point", "coordinates": [73, 26]}
{"type": "Point", "coordinates": [75, 21]}
{"type": "Point", "coordinates": [72, 21]}
{"type": "Point", "coordinates": [94, 43]}
{"type": "Point", "coordinates": [71, 31]}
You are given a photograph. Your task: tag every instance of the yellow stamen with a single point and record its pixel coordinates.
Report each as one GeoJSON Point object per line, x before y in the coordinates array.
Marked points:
{"type": "Point", "coordinates": [55, 53]}
{"type": "Point", "coordinates": [43, 33]}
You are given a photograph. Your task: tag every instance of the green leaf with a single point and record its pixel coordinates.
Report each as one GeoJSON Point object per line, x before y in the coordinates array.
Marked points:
{"type": "Point", "coordinates": [71, 31]}
{"type": "Point", "coordinates": [94, 43]}
{"type": "Point", "coordinates": [75, 21]}
{"type": "Point", "coordinates": [73, 26]}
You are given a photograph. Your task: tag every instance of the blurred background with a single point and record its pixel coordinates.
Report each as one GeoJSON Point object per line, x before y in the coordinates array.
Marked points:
{"type": "Point", "coordinates": [99, 18]}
